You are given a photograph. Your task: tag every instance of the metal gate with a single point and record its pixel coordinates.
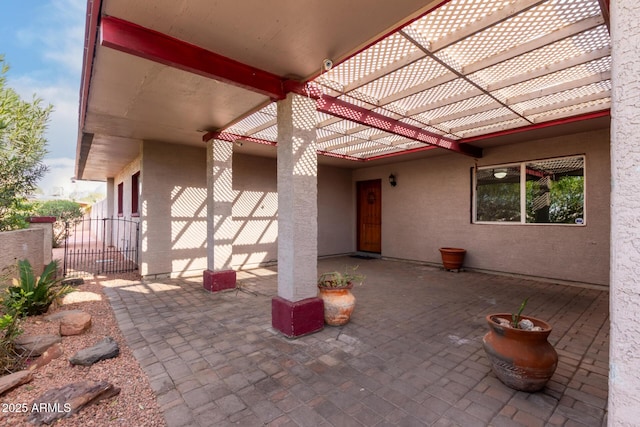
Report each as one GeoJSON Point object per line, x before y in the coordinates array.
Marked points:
{"type": "Point", "coordinates": [100, 246]}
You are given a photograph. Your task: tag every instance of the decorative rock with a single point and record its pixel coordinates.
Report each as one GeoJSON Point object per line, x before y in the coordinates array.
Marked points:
{"type": "Point", "coordinates": [11, 381]}
{"type": "Point", "coordinates": [59, 315]}
{"type": "Point", "coordinates": [75, 324]}
{"type": "Point", "coordinates": [525, 324]}
{"type": "Point", "coordinates": [78, 296]}
{"type": "Point", "coordinates": [503, 322]}
{"type": "Point", "coordinates": [73, 281]}
{"type": "Point", "coordinates": [52, 352]}
{"type": "Point", "coordinates": [105, 349]}
{"type": "Point", "coordinates": [35, 345]}
{"type": "Point", "coordinates": [67, 400]}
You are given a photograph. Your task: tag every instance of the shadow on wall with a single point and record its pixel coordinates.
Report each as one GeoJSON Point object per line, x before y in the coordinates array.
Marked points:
{"type": "Point", "coordinates": [174, 236]}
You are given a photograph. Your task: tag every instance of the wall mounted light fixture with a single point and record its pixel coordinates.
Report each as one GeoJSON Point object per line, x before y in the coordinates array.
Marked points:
{"type": "Point", "coordinates": [499, 173]}
{"type": "Point", "coordinates": [392, 180]}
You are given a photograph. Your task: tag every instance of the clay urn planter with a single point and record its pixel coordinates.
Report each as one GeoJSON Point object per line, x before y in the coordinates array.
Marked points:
{"type": "Point", "coordinates": [334, 288]}
{"type": "Point", "coordinates": [452, 258]}
{"type": "Point", "coordinates": [522, 359]}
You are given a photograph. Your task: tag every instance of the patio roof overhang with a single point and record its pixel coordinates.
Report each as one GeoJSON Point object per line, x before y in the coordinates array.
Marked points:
{"type": "Point", "coordinates": [412, 78]}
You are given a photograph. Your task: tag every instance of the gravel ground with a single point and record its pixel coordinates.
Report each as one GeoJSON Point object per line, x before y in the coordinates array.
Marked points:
{"type": "Point", "coordinates": [135, 405]}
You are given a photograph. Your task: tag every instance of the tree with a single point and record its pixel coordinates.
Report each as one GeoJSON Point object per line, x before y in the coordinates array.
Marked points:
{"type": "Point", "coordinates": [22, 148]}
{"type": "Point", "coordinates": [65, 211]}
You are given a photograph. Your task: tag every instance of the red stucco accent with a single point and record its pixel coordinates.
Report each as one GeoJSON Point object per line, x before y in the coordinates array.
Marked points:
{"type": "Point", "coordinates": [42, 219]}
{"type": "Point", "coordinates": [295, 319]}
{"type": "Point", "coordinates": [215, 281]}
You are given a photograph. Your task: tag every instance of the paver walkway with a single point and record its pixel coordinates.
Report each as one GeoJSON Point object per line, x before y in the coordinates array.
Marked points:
{"type": "Point", "coordinates": [411, 355]}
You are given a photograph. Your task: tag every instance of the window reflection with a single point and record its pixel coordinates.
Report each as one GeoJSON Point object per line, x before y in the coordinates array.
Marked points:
{"type": "Point", "coordinates": [555, 191]}
{"type": "Point", "coordinates": [498, 194]}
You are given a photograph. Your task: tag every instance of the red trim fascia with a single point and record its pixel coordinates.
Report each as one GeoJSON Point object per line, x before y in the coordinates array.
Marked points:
{"type": "Point", "coordinates": [344, 110]}
{"type": "Point", "coordinates": [604, 8]}
{"type": "Point", "coordinates": [90, 35]}
{"type": "Point", "coordinates": [233, 137]}
{"type": "Point", "coordinates": [400, 153]}
{"type": "Point", "coordinates": [149, 44]}
{"type": "Point", "coordinates": [566, 120]}
{"type": "Point", "coordinates": [341, 156]}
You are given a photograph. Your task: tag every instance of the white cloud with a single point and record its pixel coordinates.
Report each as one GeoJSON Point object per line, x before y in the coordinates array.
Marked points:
{"type": "Point", "coordinates": [59, 179]}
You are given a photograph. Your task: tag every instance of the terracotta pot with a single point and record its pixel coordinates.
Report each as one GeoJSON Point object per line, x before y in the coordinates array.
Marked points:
{"type": "Point", "coordinates": [338, 304]}
{"type": "Point", "coordinates": [523, 360]}
{"type": "Point", "coordinates": [452, 258]}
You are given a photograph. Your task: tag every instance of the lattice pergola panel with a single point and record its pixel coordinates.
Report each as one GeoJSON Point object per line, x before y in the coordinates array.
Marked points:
{"type": "Point", "coordinates": [455, 15]}
{"type": "Point", "coordinates": [434, 97]}
{"type": "Point", "coordinates": [493, 127]}
{"type": "Point", "coordinates": [572, 110]}
{"type": "Point", "coordinates": [527, 26]}
{"type": "Point", "coordinates": [544, 57]}
{"type": "Point", "coordinates": [410, 76]}
{"type": "Point", "coordinates": [566, 76]}
{"type": "Point", "coordinates": [595, 90]}
{"type": "Point", "coordinates": [467, 69]}
{"type": "Point", "coordinates": [378, 56]}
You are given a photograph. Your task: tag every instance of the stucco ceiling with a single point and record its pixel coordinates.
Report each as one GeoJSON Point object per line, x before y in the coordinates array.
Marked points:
{"type": "Point", "coordinates": [455, 72]}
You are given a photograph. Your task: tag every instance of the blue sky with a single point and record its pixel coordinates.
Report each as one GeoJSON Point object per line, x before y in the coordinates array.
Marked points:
{"type": "Point", "coordinates": [42, 41]}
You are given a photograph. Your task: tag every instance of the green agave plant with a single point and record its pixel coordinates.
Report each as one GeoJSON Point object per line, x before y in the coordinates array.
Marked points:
{"type": "Point", "coordinates": [34, 294]}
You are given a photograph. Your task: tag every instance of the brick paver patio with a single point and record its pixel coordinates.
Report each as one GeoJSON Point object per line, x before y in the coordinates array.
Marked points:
{"type": "Point", "coordinates": [411, 355]}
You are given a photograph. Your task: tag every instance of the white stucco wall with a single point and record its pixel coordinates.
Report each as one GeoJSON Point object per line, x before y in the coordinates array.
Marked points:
{"type": "Point", "coordinates": [431, 208]}
{"type": "Point", "coordinates": [624, 350]}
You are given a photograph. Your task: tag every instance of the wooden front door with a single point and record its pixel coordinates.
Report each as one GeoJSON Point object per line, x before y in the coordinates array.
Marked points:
{"type": "Point", "coordinates": [369, 215]}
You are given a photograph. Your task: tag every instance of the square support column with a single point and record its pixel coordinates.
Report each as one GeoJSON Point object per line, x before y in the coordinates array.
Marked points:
{"type": "Point", "coordinates": [624, 347]}
{"type": "Point", "coordinates": [219, 274]}
{"type": "Point", "coordinates": [297, 310]}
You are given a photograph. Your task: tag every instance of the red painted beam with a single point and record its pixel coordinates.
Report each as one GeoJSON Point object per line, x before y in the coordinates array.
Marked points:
{"type": "Point", "coordinates": [354, 113]}
{"type": "Point", "coordinates": [232, 137]}
{"type": "Point", "coordinates": [587, 116]}
{"type": "Point", "coordinates": [145, 43]}
{"type": "Point", "coordinates": [400, 153]}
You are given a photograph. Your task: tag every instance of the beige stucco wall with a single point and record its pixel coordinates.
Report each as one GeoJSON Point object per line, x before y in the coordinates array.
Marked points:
{"type": "Point", "coordinates": [431, 208]}
{"type": "Point", "coordinates": [173, 218]}
{"type": "Point", "coordinates": [23, 244]}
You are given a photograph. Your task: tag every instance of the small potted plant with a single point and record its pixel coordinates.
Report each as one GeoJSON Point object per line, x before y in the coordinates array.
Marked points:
{"type": "Point", "coordinates": [517, 347]}
{"type": "Point", "coordinates": [335, 291]}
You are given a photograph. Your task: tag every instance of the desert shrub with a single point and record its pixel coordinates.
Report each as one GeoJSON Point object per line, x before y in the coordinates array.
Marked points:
{"type": "Point", "coordinates": [65, 212]}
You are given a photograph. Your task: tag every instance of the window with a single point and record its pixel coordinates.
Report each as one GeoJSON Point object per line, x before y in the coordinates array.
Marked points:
{"type": "Point", "coordinates": [552, 192]}
{"type": "Point", "coordinates": [135, 193]}
{"type": "Point", "coordinates": [120, 194]}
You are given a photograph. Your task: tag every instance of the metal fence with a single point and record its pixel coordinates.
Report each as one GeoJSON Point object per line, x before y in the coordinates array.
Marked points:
{"type": "Point", "coordinates": [100, 246]}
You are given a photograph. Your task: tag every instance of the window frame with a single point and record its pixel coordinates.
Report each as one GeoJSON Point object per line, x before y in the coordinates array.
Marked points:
{"type": "Point", "coordinates": [135, 194]}
{"type": "Point", "coordinates": [523, 193]}
{"type": "Point", "coordinates": [120, 199]}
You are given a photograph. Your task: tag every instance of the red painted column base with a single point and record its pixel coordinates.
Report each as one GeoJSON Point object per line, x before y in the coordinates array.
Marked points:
{"type": "Point", "coordinates": [215, 281]}
{"type": "Point", "coordinates": [295, 319]}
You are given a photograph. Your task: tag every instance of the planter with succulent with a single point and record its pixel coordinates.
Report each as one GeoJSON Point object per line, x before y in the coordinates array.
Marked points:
{"type": "Point", "coordinates": [335, 291]}
{"type": "Point", "coordinates": [517, 347]}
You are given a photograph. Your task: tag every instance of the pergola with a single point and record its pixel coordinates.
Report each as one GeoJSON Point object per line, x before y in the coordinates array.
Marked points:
{"type": "Point", "coordinates": [388, 79]}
